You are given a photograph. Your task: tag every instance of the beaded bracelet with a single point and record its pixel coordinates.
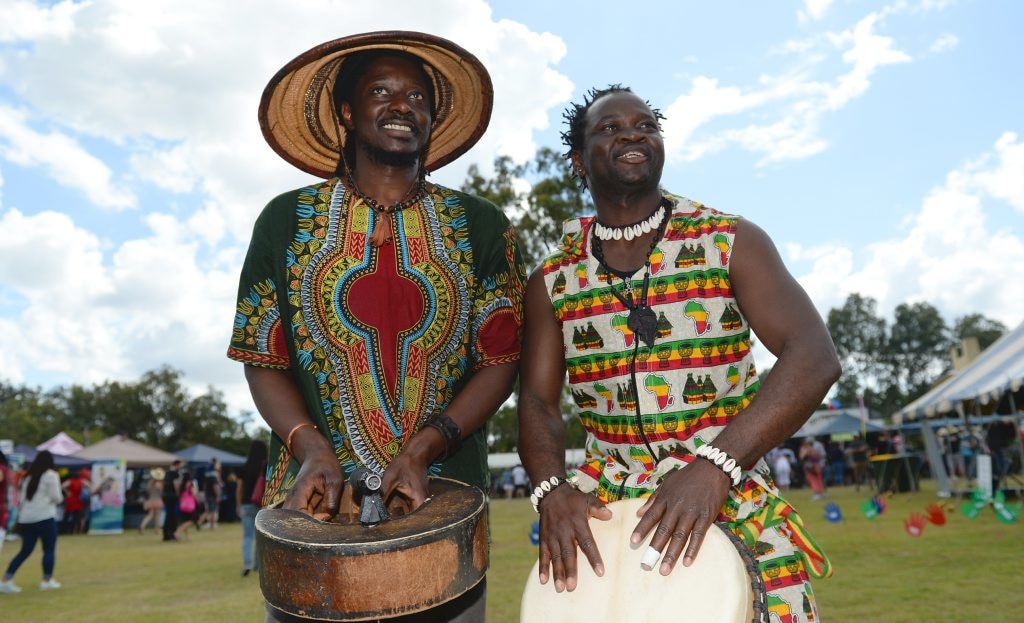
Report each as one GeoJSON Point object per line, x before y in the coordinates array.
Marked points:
{"type": "Point", "coordinates": [450, 432]}
{"type": "Point", "coordinates": [291, 433]}
{"type": "Point", "coordinates": [546, 486]}
{"type": "Point", "coordinates": [725, 462]}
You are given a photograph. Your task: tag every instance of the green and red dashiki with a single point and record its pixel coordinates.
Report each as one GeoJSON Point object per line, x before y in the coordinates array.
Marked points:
{"type": "Point", "coordinates": [692, 381]}
{"type": "Point", "coordinates": [378, 340]}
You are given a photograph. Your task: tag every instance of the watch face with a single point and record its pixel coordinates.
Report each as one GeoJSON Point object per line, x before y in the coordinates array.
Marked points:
{"type": "Point", "coordinates": [373, 482]}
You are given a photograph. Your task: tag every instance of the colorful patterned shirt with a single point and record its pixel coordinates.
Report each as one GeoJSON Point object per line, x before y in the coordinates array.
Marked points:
{"type": "Point", "coordinates": [692, 381]}
{"type": "Point", "coordinates": [378, 339]}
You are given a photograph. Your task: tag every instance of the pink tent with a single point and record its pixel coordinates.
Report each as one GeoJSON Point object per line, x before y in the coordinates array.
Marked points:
{"type": "Point", "coordinates": [60, 444]}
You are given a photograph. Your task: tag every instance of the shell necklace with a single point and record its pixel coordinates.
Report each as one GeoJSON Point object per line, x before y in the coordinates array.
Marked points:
{"type": "Point", "coordinates": [632, 230]}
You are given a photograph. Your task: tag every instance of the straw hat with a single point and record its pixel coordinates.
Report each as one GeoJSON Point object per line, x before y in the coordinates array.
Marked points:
{"type": "Point", "coordinates": [297, 113]}
{"type": "Point", "coordinates": [156, 473]}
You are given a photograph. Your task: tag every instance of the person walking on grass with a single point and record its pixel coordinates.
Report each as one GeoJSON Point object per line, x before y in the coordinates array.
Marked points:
{"type": "Point", "coordinates": [249, 499]}
{"type": "Point", "coordinates": [37, 520]}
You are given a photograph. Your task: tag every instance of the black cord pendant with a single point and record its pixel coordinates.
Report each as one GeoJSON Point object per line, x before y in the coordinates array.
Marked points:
{"type": "Point", "coordinates": [643, 323]}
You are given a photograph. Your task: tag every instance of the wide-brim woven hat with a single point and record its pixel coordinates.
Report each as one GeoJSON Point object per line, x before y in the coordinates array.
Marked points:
{"type": "Point", "coordinates": [297, 113]}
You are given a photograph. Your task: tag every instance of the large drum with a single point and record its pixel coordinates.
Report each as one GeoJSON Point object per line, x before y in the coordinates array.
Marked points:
{"type": "Point", "coordinates": [343, 571]}
{"type": "Point", "coordinates": [722, 585]}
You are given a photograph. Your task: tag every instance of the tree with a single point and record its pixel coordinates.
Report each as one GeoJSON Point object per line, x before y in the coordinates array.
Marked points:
{"type": "Point", "coordinates": [156, 410]}
{"type": "Point", "coordinates": [538, 213]}
{"type": "Point", "coordinates": [860, 336]}
{"type": "Point", "coordinates": [977, 326]}
{"type": "Point", "coordinates": [917, 351]}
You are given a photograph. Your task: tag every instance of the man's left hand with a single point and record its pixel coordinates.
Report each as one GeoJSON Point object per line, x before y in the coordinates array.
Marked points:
{"type": "Point", "coordinates": [404, 484]}
{"type": "Point", "coordinates": [683, 508]}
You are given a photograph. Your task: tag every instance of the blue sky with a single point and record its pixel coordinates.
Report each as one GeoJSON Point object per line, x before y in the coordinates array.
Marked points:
{"type": "Point", "coordinates": [881, 144]}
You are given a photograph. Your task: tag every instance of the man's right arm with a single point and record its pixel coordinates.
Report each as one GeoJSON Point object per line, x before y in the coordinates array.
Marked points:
{"type": "Point", "coordinates": [564, 511]}
{"type": "Point", "coordinates": [318, 486]}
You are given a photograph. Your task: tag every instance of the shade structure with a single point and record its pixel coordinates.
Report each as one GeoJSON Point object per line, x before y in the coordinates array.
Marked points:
{"type": "Point", "coordinates": [61, 444]}
{"type": "Point", "coordinates": [824, 422]}
{"type": "Point", "coordinates": [135, 453]}
{"type": "Point", "coordinates": [28, 454]}
{"type": "Point", "coordinates": [202, 453]}
{"type": "Point", "coordinates": [997, 370]}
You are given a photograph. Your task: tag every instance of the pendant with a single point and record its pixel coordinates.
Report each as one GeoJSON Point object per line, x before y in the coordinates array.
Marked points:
{"type": "Point", "coordinates": [644, 323]}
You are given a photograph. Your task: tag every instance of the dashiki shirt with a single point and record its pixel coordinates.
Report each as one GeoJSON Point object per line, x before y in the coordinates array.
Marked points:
{"type": "Point", "coordinates": [698, 374]}
{"type": "Point", "coordinates": [378, 339]}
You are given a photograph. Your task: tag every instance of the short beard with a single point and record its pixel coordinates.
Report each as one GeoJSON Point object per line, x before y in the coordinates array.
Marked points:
{"type": "Point", "coordinates": [398, 159]}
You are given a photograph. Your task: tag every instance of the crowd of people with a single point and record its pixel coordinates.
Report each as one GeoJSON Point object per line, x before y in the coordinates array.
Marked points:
{"type": "Point", "coordinates": [36, 506]}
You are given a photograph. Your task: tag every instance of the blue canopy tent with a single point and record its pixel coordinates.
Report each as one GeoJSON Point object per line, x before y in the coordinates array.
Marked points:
{"type": "Point", "coordinates": [826, 422]}
{"type": "Point", "coordinates": [201, 454]}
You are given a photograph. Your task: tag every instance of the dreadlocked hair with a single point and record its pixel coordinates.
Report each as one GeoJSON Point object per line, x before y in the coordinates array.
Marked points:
{"type": "Point", "coordinates": [576, 115]}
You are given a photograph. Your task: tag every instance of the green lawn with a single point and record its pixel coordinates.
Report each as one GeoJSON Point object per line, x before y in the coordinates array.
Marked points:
{"type": "Point", "coordinates": [966, 571]}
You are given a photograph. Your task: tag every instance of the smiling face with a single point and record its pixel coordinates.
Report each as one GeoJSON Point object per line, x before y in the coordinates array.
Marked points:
{"type": "Point", "coordinates": [622, 146]}
{"type": "Point", "coordinates": [388, 114]}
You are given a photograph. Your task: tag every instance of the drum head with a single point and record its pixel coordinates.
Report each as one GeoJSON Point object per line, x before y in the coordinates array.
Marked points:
{"type": "Point", "coordinates": [333, 571]}
{"type": "Point", "coordinates": [716, 588]}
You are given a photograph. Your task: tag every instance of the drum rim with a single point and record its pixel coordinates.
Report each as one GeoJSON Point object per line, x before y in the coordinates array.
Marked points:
{"type": "Point", "coordinates": [478, 505]}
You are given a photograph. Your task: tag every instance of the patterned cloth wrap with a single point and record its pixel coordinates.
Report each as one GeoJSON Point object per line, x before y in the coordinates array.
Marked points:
{"type": "Point", "coordinates": [378, 339]}
{"type": "Point", "coordinates": [692, 382]}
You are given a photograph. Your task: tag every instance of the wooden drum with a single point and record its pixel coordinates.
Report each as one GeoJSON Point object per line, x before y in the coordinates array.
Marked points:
{"type": "Point", "coordinates": [342, 571]}
{"type": "Point", "coordinates": [722, 585]}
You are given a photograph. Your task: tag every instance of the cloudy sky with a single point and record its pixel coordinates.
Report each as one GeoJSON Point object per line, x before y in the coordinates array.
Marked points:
{"type": "Point", "coordinates": [881, 144]}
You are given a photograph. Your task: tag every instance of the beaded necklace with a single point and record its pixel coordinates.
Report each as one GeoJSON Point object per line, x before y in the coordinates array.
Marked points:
{"type": "Point", "coordinates": [382, 230]}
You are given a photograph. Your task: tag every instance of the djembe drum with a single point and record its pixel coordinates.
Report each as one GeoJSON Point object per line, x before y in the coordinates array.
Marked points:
{"type": "Point", "coordinates": [343, 571]}
{"type": "Point", "coordinates": [723, 585]}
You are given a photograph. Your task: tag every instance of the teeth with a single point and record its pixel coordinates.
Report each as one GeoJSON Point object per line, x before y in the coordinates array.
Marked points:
{"type": "Point", "coordinates": [394, 126]}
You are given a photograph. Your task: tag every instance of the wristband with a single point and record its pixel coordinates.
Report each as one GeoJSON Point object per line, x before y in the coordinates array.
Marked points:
{"type": "Point", "coordinates": [724, 462]}
{"type": "Point", "coordinates": [546, 486]}
{"type": "Point", "coordinates": [450, 432]}
{"type": "Point", "coordinates": [291, 434]}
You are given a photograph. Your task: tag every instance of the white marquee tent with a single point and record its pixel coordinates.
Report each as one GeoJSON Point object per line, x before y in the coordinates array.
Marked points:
{"type": "Point", "coordinates": [998, 370]}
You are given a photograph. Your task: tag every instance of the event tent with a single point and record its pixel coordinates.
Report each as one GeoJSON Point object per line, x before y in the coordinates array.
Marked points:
{"type": "Point", "coordinates": [28, 454]}
{"type": "Point", "coordinates": [824, 422]}
{"type": "Point", "coordinates": [135, 454]}
{"type": "Point", "coordinates": [61, 444]}
{"type": "Point", "coordinates": [998, 370]}
{"type": "Point", "coordinates": [202, 453]}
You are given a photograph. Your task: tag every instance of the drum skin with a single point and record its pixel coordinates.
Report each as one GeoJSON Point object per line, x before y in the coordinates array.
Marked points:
{"type": "Point", "coordinates": [333, 571]}
{"type": "Point", "coordinates": [721, 586]}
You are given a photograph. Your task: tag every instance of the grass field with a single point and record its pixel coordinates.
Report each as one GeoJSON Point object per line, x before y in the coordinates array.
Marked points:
{"type": "Point", "coordinates": [966, 571]}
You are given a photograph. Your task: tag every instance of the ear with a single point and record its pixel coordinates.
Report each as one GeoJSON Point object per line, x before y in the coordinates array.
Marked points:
{"type": "Point", "coordinates": [346, 115]}
{"type": "Point", "coordinates": [577, 164]}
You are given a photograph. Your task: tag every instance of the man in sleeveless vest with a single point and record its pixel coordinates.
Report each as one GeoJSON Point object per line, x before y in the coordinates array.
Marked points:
{"type": "Point", "coordinates": [649, 307]}
{"type": "Point", "coordinates": [378, 314]}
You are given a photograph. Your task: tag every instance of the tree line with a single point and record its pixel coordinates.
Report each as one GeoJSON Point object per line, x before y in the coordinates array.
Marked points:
{"type": "Point", "coordinates": [156, 410]}
{"type": "Point", "coordinates": [889, 364]}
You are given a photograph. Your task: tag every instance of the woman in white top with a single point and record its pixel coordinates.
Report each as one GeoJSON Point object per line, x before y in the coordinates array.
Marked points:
{"type": "Point", "coordinates": [40, 495]}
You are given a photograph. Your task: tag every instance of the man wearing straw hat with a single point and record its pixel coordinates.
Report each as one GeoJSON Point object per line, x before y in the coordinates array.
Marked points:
{"type": "Point", "coordinates": [379, 314]}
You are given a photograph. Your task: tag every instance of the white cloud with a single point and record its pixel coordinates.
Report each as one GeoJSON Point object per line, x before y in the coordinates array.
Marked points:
{"type": "Point", "coordinates": [793, 103]}
{"type": "Point", "coordinates": [22, 20]}
{"type": "Point", "coordinates": [813, 10]}
{"type": "Point", "coordinates": [66, 161]}
{"type": "Point", "coordinates": [952, 254]}
{"type": "Point", "coordinates": [944, 43]}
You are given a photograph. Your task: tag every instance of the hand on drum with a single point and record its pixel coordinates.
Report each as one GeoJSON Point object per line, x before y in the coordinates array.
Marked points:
{"type": "Point", "coordinates": [404, 484]}
{"type": "Point", "coordinates": [563, 527]}
{"type": "Point", "coordinates": [683, 508]}
{"type": "Point", "coordinates": [318, 486]}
